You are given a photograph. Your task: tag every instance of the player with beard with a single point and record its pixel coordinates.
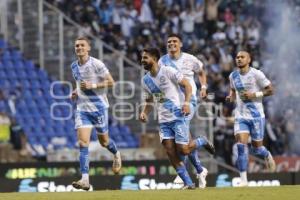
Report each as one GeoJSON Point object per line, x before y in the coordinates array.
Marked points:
{"type": "Point", "coordinates": [248, 87]}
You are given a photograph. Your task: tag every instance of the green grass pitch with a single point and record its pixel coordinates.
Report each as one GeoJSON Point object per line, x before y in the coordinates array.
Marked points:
{"type": "Point", "coordinates": [250, 193]}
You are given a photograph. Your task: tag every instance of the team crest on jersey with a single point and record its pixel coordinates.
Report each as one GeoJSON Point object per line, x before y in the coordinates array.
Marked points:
{"type": "Point", "coordinates": [162, 79]}
{"type": "Point", "coordinates": [87, 70]}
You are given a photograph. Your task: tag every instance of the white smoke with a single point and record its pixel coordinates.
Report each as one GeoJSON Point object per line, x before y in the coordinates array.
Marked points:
{"type": "Point", "coordinates": [281, 59]}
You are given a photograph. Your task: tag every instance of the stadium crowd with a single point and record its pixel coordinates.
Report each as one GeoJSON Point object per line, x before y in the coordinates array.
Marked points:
{"type": "Point", "coordinates": [212, 30]}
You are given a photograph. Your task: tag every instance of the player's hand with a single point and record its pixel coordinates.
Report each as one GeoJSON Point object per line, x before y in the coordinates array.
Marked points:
{"type": "Point", "coordinates": [85, 85]}
{"type": "Point", "coordinates": [186, 109]}
{"type": "Point", "coordinates": [245, 95]}
{"type": "Point", "coordinates": [229, 98]}
{"type": "Point", "coordinates": [74, 95]}
{"type": "Point", "coordinates": [143, 117]}
{"type": "Point", "coordinates": [203, 93]}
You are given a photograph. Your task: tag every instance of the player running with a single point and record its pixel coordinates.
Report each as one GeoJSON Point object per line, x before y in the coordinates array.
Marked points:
{"type": "Point", "coordinates": [92, 80]}
{"type": "Point", "coordinates": [189, 65]}
{"type": "Point", "coordinates": [248, 87]}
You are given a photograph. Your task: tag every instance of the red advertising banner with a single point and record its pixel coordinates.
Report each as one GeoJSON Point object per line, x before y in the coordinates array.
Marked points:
{"type": "Point", "coordinates": [283, 164]}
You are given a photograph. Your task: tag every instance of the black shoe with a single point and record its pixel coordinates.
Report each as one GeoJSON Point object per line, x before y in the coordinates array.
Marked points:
{"type": "Point", "coordinates": [188, 187]}
{"type": "Point", "coordinates": [209, 146]}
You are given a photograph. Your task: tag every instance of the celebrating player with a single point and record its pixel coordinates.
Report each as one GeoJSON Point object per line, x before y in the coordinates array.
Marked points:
{"type": "Point", "coordinates": [248, 87]}
{"type": "Point", "coordinates": [162, 84]}
{"type": "Point", "coordinates": [92, 80]}
{"type": "Point", "coordinates": [189, 65]}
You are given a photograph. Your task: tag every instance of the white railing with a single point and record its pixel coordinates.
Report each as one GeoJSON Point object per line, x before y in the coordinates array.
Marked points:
{"type": "Point", "coordinates": [46, 35]}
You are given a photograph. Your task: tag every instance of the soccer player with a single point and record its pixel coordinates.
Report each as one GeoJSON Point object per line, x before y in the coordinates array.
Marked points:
{"type": "Point", "coordinates": [248, 87]}
{"type": "Point", "coordinates": [92, 80]}
{"type": "Point", "coordinates": [162, 84]}
{"type": "Point", "coordinates": [188, 65]}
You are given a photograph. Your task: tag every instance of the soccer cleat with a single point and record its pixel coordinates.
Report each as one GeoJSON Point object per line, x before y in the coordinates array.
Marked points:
{"type": "Point", "coordinates": [209, 146]}
{"type": "Point", "coordinates": [202, 178]}
{"type": "Point", "coordinates": [188, 187]}
{"type": "Point", "coordinates": [243, 184]}
{"type": "Point", "coordinates": [178, 180]}
{"type": "Point", "coordinates": [270, 163]}
{"type": "Point", "coordinates": [81, 184]}
{"type": "Point", "coordinates": [117, 163]}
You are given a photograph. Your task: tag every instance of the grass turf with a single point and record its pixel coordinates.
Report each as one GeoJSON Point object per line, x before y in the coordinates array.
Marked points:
{"type": "Point", "coordinates": [249, 193]}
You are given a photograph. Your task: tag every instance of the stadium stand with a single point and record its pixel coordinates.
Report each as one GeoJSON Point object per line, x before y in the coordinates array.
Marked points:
{"type": "Point", "coordinates": [27, 98]}
{"type": "Point", "coordinates": [213, 30]}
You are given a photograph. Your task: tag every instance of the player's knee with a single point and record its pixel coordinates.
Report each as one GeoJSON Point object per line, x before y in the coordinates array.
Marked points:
{"type": "Point", "coordinates": [83, 143]}
{"type": "Point", "coordinates": [184, 151]}
{"type": "Point", "coordinates": [170, 151]}
{"type": "Point", "coordinates": [104, 143]}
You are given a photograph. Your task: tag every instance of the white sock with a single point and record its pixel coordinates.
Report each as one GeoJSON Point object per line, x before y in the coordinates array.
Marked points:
{"type": "Point", "coordinates": [85, 177]}
{"type": "Point", "coordinates": [243, 176]}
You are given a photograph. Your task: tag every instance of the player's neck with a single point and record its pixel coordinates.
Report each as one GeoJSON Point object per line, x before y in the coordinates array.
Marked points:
{"type": "Point", "coordinates": [83, 59]}
{"type": "Point", "coordinates": [175, 55]}
{"type": "Point", "coordinates": [154, 70]}
{"type": "Point", "coordinates": [244, 70]}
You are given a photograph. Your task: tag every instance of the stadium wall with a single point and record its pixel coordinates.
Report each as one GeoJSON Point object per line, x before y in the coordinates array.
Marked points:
{"type": "Point", "coordinates": [136, 175]}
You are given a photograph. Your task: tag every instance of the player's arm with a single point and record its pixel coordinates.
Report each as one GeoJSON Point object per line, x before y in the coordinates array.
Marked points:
{"type": "Point", "coordinates": [231, 96]}
{"type": "Point", "coordinates": [203, 81]}
{"type": "Point", "coordinates": [264, 83]}
{"type": "Point", "coordinates": [232, 93]}
{"type": "Point", "coordinates": [187, 94]}
{"type": "Point", "coordinates": [146, 109]}
{"type": "Point", "coordinates": [267, 91]}
{"type": "Point", "coordinates": [106, 83]}
{"type": "Point", "coordinates": [198, 68]}
{"type": "Point", "coordinates": [74, 95]}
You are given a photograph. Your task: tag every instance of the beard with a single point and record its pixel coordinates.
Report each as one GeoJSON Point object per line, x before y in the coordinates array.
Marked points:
{"type": "Point", "coordinates": [241, 66]}
{"type": "Point", "coordinates": [147, 66]}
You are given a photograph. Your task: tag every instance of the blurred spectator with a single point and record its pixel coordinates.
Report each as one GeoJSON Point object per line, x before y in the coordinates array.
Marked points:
{"type": "Point", "coordinates": [5, 146]}
{"type": "Point", "coordinates": [18, 139]}
{"type": "Point", "coordinates": [213, 30]}
{"type": "Point", "coordinates": [187, 18]}
{"type": "Point", "coordinates": [211, 13]}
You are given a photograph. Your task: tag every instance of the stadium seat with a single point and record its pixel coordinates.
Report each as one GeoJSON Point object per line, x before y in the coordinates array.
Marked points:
{"type": "Point", "coordinates": [33, 106]}
{"type": "Point", "coordinates": [7, 64]}
{"type": "Point", "coordinates": [16, 55]}
{"type": "Point", "coordinates": [6, 55]}
{"type": "Point", "coordinates": [18, 64]}
{"type": "Point", "coordinates": [3, 44]}
{"type": "Point", "coordinates": [22, 74]}
{"type": "Point", "coordinates": [2, 74]}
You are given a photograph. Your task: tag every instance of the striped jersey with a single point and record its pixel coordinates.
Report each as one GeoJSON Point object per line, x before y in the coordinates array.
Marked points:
{"type": "Point", "coordinates": [253, 81]}
{"type": "Point", "coordinates": [93, 71]}
{"type": "Point", "coordinates": [187, 64]}
{"type": "Point", "coordinates": [165, 90]}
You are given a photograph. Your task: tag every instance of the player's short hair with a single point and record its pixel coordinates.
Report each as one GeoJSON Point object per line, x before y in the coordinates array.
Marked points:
{"type": "Point", "coordinates": [153, 52]}
{"type": "Point", "coordinates": [84, 38]}
{"type": "Point", "coordinates": [175, 35]}
{"type": "Point", "coordinates": [247, 52]}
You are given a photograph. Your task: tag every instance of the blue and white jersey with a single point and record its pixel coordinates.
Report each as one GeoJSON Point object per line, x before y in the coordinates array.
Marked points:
{"type": "Point", "coordinates": [165, 90]}
{"type": "Point", "coordinates": [93, 71]}
{"type": "Point", "coordinates": [253, 81]}
{"type": "Point", "coordinates": [187, 64]}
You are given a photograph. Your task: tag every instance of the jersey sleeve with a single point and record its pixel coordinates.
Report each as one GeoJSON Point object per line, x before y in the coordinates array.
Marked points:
{"type": "Point", "coordinates": [75, 71]}
{"type": "Point", "coordinates": [197, 64]}
{"type": "Point", "coordinates": [145, 91]}
{"type": "Point", "coordinates": [101, 69]}
{"type": "Point", "coordinates": [231, 82]}
{"type": "Point", "coordinates": [262, 80]}
{"type": "Point", "coordinates": [160, 62]}
{"type": "Point", "coordinates": [173, 74]}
